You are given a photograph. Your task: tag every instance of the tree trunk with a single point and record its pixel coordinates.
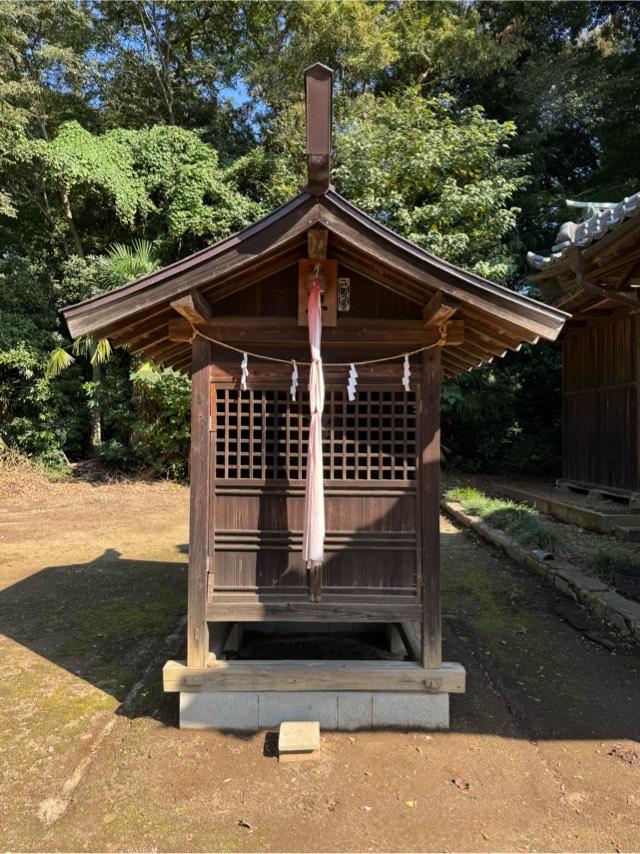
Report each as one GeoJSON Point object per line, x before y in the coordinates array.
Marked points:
{"type": "Point", "coordinates": [96, 414]}
{"type": "Point", "coordinates": [66, 204]}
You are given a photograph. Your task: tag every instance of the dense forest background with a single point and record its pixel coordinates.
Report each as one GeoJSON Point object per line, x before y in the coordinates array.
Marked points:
{"type": "Point", "coordinates": [133, 133]}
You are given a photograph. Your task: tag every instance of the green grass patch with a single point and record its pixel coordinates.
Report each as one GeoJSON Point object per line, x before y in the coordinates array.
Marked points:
{"type": "Point", "coordinates": [609, 559]}
{"type": "Point", "coordinates": [520, 521]}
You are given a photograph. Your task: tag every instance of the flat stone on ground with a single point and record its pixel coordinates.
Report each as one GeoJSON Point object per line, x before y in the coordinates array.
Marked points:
{"type": "Point", "coordinates": [299, 736]}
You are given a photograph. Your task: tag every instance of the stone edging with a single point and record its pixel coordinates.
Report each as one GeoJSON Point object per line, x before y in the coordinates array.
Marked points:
{"type": "Point", "coordinates": [594, 594]}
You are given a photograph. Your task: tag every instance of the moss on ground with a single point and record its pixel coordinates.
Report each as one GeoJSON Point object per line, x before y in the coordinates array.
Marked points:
{"type": "Point", "coordinates": [491, 602]}
{"type": "Point", "coordinates": [601, 556]}
{"type": "Point", "coordinates": [72, 706]}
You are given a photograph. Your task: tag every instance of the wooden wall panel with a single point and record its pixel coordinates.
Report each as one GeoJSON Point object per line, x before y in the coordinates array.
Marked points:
{"type": "Point", "coordinates": [370, 450]}
{"type": "Point", "coordinates": [278, 295]}
{"type": "Point", "coordinates": [601, 355]}
{"type": "Point", "coordinates": [370, 544]}
{"type": "Point", "coordinates": [268, 570]}
{"type": "Point", "coordinates": [600, 431]}
{"type": "Point", "coordinates": [251, 508]}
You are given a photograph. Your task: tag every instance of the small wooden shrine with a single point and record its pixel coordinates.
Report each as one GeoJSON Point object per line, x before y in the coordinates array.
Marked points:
{"type": "Point", "coordinates": [593, 272]}
{"type": "Point", "coordinates": [394, 321]}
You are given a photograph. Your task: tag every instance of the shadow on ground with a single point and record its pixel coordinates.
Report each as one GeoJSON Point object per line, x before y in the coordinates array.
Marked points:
{"type": "Point", "coordinates": [105, 621]}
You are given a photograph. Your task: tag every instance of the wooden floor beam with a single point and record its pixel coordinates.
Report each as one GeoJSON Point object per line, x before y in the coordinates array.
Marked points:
{"type": "Point", "coordinates": [365, 612]}
{"type": "Point", "coordinates": [313, 675]}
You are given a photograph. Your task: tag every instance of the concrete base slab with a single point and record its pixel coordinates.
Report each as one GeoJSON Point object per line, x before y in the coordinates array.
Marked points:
{"type": "Point", "coordinates": [274, 707]}
{"type": "Point", "coordinates": [425, 711]}
{"type": "Point", "coordinates": [235, 710]}
{"type": "Point", "coordinates": [335, 710]}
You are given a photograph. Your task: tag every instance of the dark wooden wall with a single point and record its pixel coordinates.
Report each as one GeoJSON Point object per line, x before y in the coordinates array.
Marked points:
{"type": "Point", "coordinates": [600, 380]}
{"type": "Point", "coordinates": [259, 442]}
{"type": "Point", "coordinates": [258, 455]}
{"type": "Point", "coordinates": [277, 295]}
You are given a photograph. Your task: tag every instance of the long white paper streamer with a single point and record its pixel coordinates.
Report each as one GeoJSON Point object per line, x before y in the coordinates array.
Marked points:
{"type": "Point", "coordinates": [294, 380]}
{"type": "Point", "coordinates": [314, 518]}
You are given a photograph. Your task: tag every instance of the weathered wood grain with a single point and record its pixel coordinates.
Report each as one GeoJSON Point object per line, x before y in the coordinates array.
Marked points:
{"type": "Point", "coordinates": [193, 306]}
{"type": "Point", "coordinates": [197, 629]}
{"type": "Point", "coordinates": [317, 239]}
{"type": "Point", "coordinates": [429, 500]}
{"type": "Point", "coordinates": [312, 675]}
{"type": "Point", "coordinates": [285, 331]}
{"type": "Point", "coordinates": [305, 611]}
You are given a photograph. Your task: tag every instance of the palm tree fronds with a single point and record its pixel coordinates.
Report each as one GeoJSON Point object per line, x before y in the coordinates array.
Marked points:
{"type": "Point", "coordinates": [102, 352]}
{"type": "Point", "coordinates": [84, 345]}
{"type": "Point", "coordinates": [125, 263]}
{"type": "Point", "coordinates": [146, 368]}
{"type": "Point", "coordinates": [59, 360]}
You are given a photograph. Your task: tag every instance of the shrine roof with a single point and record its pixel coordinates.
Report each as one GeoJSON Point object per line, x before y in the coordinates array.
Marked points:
{"type": "Point", "coordinates": [138, 314]}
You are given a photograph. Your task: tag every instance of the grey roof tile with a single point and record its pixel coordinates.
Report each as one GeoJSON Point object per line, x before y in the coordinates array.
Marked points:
{"type": "Point", "coordinates": [585, 233]}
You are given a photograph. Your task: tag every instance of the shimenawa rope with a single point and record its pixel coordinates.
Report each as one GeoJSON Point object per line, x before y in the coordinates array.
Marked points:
{"type": "Point", "coordinates": [198, 333]}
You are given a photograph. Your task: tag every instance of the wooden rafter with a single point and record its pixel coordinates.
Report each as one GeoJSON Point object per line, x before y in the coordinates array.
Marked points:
{"type": "Point", "coordinates": [438, 310]}
{"type": "Point", "coordinates": [193, 306]}
{"type": "Point", "coordinates": [284, 331]}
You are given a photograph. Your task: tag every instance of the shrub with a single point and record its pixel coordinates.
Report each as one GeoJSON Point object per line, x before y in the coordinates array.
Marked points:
{"type": "Point", "coordinates": [146, 418]}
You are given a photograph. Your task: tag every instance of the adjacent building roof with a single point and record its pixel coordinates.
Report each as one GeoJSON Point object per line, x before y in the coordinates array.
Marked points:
{"type": "Point", "coordinates": [605, 217]}
{"type": "Point", "coordinates": [594, 267]}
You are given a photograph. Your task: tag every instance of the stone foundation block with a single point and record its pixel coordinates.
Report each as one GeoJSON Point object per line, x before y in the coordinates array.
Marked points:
{"type": "Point", "coordinates": [335, 710]}
{"type": "Point", "coordinates": [425, 711]}
{"type": "Point", "coordinates": [232, 710]}
{"type": "Point", "coordinates": [355, 710]}
{"type": "Point", "coordinates": [277, 706]}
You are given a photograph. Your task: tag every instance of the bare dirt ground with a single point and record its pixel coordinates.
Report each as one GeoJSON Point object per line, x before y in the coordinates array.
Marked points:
{"type": "Point", "coordinates": [543, 753]}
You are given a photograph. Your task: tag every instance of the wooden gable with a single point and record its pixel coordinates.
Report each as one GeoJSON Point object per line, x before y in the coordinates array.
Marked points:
{"type": "Point", "coordinates": [495, 319]}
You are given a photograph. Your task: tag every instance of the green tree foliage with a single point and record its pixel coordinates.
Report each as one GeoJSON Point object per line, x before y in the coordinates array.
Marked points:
{"type": "Point", "coordinates": [463, 126]}
{"type": "Point", "coordinates": [281, 39]}
{"type": "Point", "coordinates": [440, 175]}
{"type": "Point", "coordinates": [38, 415]}
{"type": "Point", "coordinates": [162, 183]}
{"type": "Point", "coordinates": [570, 84]}
{"type": "Point", "coordinates": [505, 416]}
{"type": "Point", "coordinates": [172, 63]}
{"type": "Point", "coordinates": [145, 416]}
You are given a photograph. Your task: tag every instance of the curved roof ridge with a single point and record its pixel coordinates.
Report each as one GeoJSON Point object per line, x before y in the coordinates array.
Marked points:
{"type": "Point", "coordinates": [582, 234]}
{"type": "Point", "coordinates": [198, 257]}
{"type": "Point", "coordinates": [442, 263]}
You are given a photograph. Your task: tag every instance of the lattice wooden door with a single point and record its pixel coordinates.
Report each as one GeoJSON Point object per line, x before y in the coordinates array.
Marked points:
{"type": "Point", "coordinates": [259, 439]}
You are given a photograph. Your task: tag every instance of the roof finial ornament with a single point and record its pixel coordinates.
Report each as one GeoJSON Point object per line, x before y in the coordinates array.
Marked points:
{"type": "Point", "coordinates": [318, 89]}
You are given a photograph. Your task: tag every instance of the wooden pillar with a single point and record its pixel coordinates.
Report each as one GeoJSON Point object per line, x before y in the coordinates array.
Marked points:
{"type": "Point", "coordinates": [429, 484]}
{"type": "Point", "coordinates": [197, 629]}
